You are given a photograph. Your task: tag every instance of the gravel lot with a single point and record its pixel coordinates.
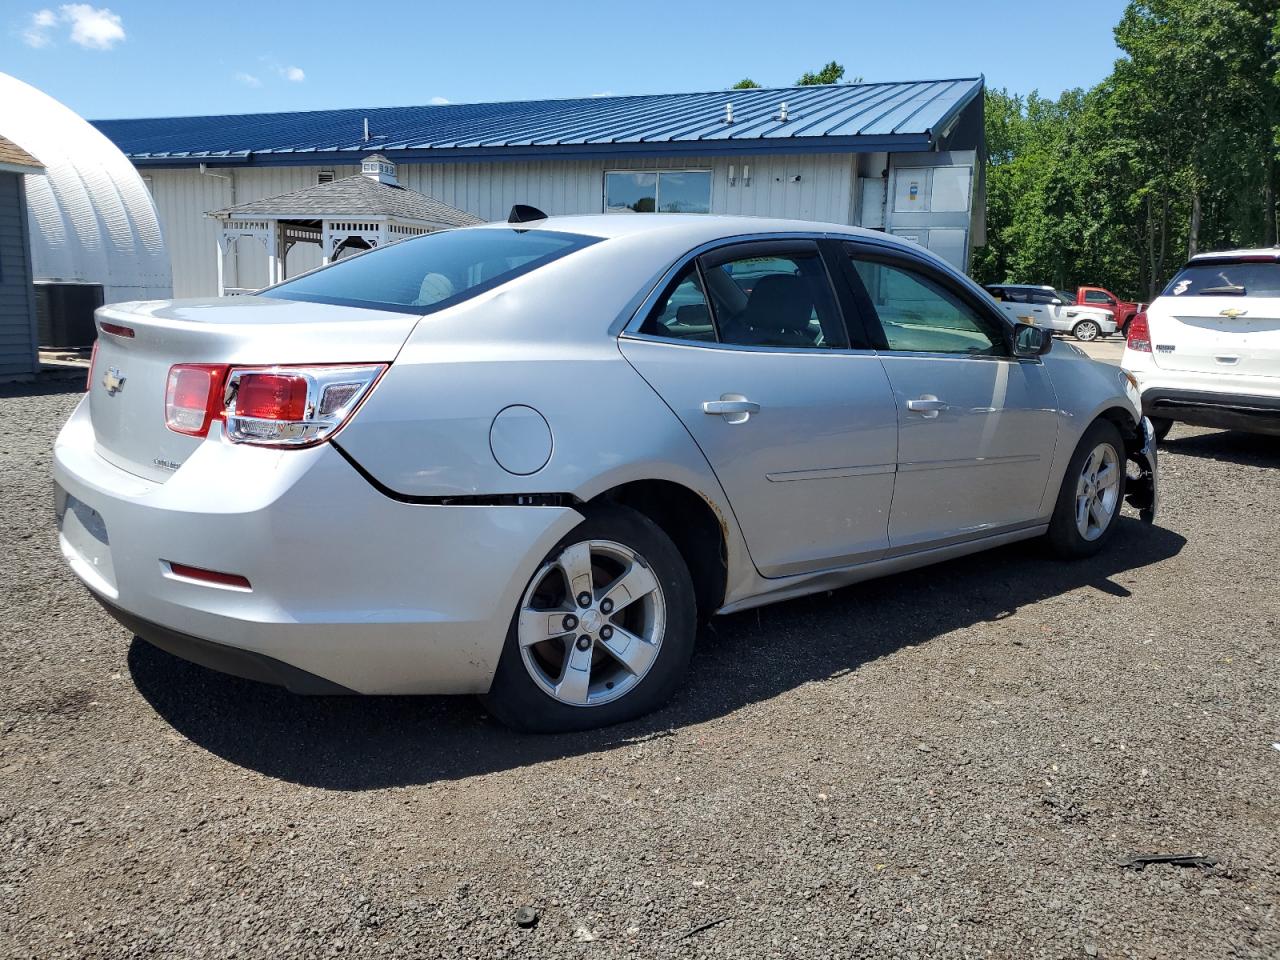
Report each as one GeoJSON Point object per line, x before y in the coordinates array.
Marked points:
{"type": "Point", "coordinates": [951, 762]}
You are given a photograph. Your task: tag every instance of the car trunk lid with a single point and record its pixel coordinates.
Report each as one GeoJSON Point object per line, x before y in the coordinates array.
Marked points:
{"type": "Point", "coordinates": [139, 342]}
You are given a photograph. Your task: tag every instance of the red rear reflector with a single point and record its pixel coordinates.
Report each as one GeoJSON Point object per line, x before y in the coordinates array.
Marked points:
{"type": "Point", "coordinates": [272, 396]}
{"type": "Point", "coordinates": [209, 576]}
{"type": "Point", "coordinates": [116, 330]}
{"type": "Point", "coordinates": [1139, 333]}
{"type": "Point", "coordinates": [193, 397]}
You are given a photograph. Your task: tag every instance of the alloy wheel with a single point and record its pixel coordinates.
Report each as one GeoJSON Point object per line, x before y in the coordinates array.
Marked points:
{"type": "Point", "coordinates": [1098, 491]}
{"type": "Point", "coordinates": [1086, 330]}
{"type": "Point", "coordinates": [591, 623]}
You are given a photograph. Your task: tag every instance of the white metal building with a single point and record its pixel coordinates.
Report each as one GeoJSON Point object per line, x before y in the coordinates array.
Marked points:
{"type": "Point", "coordinates": [903, 157]}
{"type": "Point", "coordinates": [92, 220]}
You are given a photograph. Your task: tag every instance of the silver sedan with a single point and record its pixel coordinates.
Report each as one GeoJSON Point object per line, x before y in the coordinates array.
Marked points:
{"type": "Point", "coordinates": [524, 460]}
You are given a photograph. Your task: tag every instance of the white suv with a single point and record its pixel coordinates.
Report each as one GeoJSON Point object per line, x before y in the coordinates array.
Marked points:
{"type": "Point", "coordinates": [1052, 309]}
{"type": "Point", "coordinates": [1207, 350]}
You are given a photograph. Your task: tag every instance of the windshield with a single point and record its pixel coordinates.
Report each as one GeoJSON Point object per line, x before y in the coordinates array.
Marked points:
{"type": "Point", "coordinates": [1226, 278]}
{"type": "Point", "coordinates": [1066, 297]}
{"type": "Point", "coordinates": [431, 272]}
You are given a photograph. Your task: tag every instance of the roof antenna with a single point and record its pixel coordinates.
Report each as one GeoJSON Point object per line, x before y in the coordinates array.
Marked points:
{"type": "Point", "coordinates": [523, 213]}
{"type": "Point", "coordinates": [728, 113]}
{"type": "Point", "coordinates": [366, 128]}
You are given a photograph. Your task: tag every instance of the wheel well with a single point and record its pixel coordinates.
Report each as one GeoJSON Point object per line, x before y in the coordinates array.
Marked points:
{"type": "Point", "coordinates": [1124, 422]}
{"type": "Point", "coordinates": [693, 525]}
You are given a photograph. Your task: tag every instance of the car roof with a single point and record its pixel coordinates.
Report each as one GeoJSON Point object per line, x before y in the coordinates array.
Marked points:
{"type": "Point", "coordinates": [1268, 252]}
{"type": "Point", "coordinates": [690, 228]}
{"type": "Point", "coordinates": [1022, 286]}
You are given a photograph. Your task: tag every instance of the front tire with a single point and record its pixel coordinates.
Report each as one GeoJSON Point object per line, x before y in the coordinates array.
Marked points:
{"type": "Point", "coordinates": [1092, 492]}
{"type": "Point", "coordinates": [603, 632]}
{"type": "Point", "coordinates": [1086, 330]}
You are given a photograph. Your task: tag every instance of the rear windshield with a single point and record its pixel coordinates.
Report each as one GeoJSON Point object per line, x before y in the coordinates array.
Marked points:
{"type": "Point", "coordinates": [1226, 278]}
{"type": "Point", "coordinates": [431, 272]}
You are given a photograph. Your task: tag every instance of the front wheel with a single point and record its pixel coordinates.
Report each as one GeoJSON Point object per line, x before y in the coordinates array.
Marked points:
{"type": "Point", "coordinates": [1085, 330]}
{"type": "Point", "coordinates": [604, 630]}
{"type": "Point", "coordinates": [1091, 495]}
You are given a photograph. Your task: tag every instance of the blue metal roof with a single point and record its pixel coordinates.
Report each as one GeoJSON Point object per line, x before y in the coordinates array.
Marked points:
{"type": "Point", "coordinates": [844, 118]}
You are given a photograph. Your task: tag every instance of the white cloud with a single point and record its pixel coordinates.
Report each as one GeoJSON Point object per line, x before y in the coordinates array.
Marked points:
{"type": "Point", "coordinates": [94, 28]}
{"type": "Point", "coordinates": [41, 24]}
{"type": "Point", "coordinates": [248, 79]}
{"type": "Point", "coordinates": [292, 74]}
{"type": "Point", "coordinates": [439, 101]}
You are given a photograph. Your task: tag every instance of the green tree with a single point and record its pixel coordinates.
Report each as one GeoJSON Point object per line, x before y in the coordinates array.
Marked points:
{"type": "Point", "coordinates": [746, 83]}
{"type": "Point", "coordinates": [1178, 149]}
{"type": "Point", "coordinates": [831, 73]}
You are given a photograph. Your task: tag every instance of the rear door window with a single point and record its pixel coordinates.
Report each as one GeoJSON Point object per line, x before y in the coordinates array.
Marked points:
{"type": "Point", "coordinates": [682, 313]}
{"type": "Point", "coordinates": [431, 272]}
{"type": "Point", "coordinates": [1226, 278]}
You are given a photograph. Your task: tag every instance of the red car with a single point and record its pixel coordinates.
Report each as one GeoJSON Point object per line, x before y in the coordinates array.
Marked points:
{"type": "Point", "coordinates": [1123, 310]}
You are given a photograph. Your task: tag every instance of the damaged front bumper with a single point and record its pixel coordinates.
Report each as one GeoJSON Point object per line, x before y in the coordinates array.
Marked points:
{"type": "Point", "coordinates": [1142, 492]}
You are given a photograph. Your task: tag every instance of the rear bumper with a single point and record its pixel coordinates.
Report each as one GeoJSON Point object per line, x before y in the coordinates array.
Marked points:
{"type": "Point", "coordinates": [359, 591]}
{"type": "Point", "coordinates": [1226, 411]}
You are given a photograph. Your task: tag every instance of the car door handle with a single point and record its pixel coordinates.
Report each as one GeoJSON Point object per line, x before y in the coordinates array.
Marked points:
{"type": "Point", "coordinates": [928, 405]}
{"type": "Point", "coordinates": [733, 407]}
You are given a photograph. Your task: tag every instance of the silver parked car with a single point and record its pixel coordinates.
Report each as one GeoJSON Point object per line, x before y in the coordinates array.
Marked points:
{"type": "Point", "coordinates": [522, 460]}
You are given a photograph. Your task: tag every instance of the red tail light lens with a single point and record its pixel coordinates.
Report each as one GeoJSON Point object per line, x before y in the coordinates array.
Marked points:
{"type": "Point", "coordinates": [193, 397]}
{"type": "Point", "coordinates": [1139, 333]}
{"type": "Point", "coordinates": [271, 396]}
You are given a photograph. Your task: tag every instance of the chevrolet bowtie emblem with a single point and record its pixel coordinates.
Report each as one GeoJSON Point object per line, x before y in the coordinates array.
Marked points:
{"type": "Point", "coordinates": [1232, 313]}
{"type": "Point", "coordinates": [113, 380]}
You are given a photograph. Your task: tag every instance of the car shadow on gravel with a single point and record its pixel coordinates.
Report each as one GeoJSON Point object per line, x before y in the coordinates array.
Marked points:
{"type": "Point", "coordinates": [358, 743]}
{"type": "Point", "coordinates": [1228, 446]}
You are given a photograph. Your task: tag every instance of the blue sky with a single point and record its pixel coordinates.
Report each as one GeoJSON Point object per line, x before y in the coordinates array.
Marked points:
{"type": "Point", "coordinates": [131, 58]}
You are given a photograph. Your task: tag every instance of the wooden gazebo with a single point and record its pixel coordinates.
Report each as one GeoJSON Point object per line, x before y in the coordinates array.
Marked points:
{"type": "Point", "coordinates": [368, 210]}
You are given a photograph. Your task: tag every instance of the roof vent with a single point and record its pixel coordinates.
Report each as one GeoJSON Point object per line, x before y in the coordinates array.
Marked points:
{"type": "Point", "coordinates": [782, 112]}
{"type": "Point", "coordinates": [377, 167]}
{"type": "Point", "coordinates": [728, 113]}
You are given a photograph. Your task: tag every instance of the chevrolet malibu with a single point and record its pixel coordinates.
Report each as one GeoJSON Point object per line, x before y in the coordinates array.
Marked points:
{"type": "Point", "coordinates": [523, 460]}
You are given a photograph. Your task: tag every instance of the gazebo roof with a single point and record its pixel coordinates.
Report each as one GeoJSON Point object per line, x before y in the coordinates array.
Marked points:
{"type": "Point", "coordinates": [352, 198]}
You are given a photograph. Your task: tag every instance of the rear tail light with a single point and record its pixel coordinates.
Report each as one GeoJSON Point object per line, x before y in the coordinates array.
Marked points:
{"type": "Point", "coordinates": [1139, 333]}
{"type": "Point", "coordinates": [266, 406]}
{"type": "Point", "coordinates": [294, 406]}
{"type": "Point", "coordinates": [193, 397]}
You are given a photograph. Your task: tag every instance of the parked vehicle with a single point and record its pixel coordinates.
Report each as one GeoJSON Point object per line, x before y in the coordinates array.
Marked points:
{"type": "Point", "coordinates": [1122, 311]}
{"type": "Point", "coordinates": [524, 460]}
{"type": "Point", "coordinates": [1052, 309]}
{"type": "Point", "coordinates": [1207, 350]}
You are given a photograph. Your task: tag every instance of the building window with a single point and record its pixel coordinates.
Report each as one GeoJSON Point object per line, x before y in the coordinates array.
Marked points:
{"type": "Point", "coordinates": [657, 191]}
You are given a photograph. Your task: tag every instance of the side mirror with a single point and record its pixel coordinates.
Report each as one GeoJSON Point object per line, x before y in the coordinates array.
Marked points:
{"type": "Point", "coordinates": [1056, 302]}
{"type": "Point", "coordinates": [1029, 341]}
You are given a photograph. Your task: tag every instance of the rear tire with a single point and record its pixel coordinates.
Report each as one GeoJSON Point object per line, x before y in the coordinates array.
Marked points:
{"type": "Point", "coordinates": [1092, 493]}
{"type": "Point", "coordinates": [628, 647]}
{"type": "Point", "coordinates": [1086, 330]}
{"type": "Point", "coordinates": [1161, 425]}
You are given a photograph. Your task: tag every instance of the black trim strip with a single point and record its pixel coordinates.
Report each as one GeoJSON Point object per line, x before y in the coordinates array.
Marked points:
{"type": "Point", "coordinates": [463, 500]}
{"type": "Point", "coordinates": [247, 664]}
